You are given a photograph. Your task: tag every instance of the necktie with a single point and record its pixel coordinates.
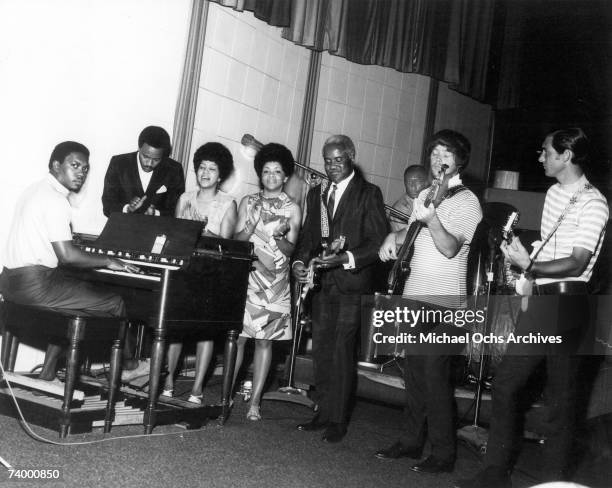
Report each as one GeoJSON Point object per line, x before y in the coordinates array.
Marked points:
{"type": "Point", "coordinates": [331, 201]}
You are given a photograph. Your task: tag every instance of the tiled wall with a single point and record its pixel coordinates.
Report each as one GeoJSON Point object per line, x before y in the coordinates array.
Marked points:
{"type": "Point", "coordinates": [381, 109]}
{"type": "Point", "coordinates": [473, 119]}
{"type": "Point", "coordinates": [253, 82]}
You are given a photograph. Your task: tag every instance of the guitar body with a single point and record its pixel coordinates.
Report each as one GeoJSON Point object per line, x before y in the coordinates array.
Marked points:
{"type": "Point", "coordinates": [314, 279]}
{"type": "Point", "coordinates": [524, 285]}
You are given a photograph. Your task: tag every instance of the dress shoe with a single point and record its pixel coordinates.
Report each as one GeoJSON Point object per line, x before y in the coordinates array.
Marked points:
{"type": "Point", "coordinates": [334, 432]}
{"type": "Point", "coordinates": [490, 477]}
{"type": "Point", "coordinates": [397, 451]}
{"type": "Point", "coordinates": [433, 465]}
{"type": "Point", "coordinates": [314, 424]}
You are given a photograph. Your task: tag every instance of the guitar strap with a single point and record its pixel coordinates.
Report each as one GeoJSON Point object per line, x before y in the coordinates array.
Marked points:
{"type": "Point", "coordinates": [324, 214]}
{"type": "Point", "coordinates": [573, 200]}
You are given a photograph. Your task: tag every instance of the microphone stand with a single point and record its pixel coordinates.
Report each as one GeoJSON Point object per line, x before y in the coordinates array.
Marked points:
{"type": "Point", "coordinates": [291, 393]}
{"type": "Point", "coordinates": [474, 434]}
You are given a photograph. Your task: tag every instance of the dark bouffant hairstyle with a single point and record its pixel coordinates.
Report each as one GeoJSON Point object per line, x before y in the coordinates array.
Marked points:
{"type": "Point", "coordinates": [274, 152]}
{"type": "Point", "coordinates": [575, 140]}
{"type": "Point", "coordinates": [155, 137]}
{"type": "Point", "coordinates": [217, 153]}
{"type": "Point", "coordinates": [63, 149]}
{"type": "Point", "coordinates": [455, 142]}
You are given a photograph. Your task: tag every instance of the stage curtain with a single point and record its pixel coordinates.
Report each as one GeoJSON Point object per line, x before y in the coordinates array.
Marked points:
{"type": "Point", "coordinates": [448, 40]}
{"type": "Point", "coordinates": [273, 12]}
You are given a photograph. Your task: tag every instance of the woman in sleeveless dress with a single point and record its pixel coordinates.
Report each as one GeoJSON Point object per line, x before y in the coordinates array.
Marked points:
{"type": "Point", "coordinates": [213, 163]}
{"type": "Point", "coordinates": [270, 220]}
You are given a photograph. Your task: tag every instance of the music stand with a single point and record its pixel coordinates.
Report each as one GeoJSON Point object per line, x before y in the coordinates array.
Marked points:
{"type": "Point", "coordinates": [291, 393]}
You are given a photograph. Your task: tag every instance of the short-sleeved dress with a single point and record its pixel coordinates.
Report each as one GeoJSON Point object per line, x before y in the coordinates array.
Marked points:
{"type": "Point", "coordinates": [268, 307]}
{"type": "Point", "coordinates": [190, 209]}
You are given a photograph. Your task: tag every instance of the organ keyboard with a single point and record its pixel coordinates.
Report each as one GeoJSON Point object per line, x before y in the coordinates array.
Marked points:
{"type": "Point", "coordinates": [190, 284]}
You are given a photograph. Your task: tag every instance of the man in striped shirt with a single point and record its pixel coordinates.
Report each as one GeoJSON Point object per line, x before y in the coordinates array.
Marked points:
{"type": "Point", "coordinates": [572, 230]}
{"type": "Point", "coordinates": [437, 281]}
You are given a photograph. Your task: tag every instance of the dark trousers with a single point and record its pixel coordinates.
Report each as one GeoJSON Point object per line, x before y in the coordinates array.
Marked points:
{"type": "Point", "coordinates": [570, 318]}
{"type": "Point", "coordinates": [336, 322]}
{"type": "Point", "coordinates": [505, 434]}
{"type": "Point", "coordinates": [429, 408]}
{"type": "Point", "coordinates": [50, 288]}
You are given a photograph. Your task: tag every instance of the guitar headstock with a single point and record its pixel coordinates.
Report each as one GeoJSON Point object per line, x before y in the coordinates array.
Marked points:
{"type": "Point", "coordinates": [432, 194]}
{"type": "Point", "coordinates": [511, 223]}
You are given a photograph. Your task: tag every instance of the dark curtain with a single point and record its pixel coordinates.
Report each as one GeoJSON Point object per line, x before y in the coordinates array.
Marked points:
{"type": "Point", "coordinates": [446, 39]}
{"type": "Point", "coordinates": [273, 12]}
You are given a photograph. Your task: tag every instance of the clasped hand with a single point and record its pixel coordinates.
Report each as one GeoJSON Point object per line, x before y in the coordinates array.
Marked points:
{"type": "Point", "coordinates": [282, 228]}
{"type": "Point", "coordinates": [138, 202]}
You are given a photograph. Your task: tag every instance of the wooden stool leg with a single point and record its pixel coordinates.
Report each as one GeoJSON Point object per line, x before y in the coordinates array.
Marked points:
{"type": "Point", "coordinates": [7, 340]}
{"type": "Point", "coordinates": [12, 358]}
{"type": "Point", "coordinates": [115, 374]}
{"type": "Point", "coordinates": [76, 329]}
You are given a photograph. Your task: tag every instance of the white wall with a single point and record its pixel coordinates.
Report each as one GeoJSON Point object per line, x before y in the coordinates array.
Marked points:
{"type": "Point", "coordinates": [253, 82]}
{"type": "Point", "coordinates": [94, 71]}
{"type": "Point", "coordinates": [382, 110]}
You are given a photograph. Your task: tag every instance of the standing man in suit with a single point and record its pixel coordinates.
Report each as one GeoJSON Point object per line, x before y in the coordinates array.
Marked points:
{"type": "Point", "coordinates": [146, 181]}
{"type": "Point", "coordinates": [346, 206]}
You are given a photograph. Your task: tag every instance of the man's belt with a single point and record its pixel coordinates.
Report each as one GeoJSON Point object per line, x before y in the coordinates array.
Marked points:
{"type": "Point", "coordinates": [563, 288]}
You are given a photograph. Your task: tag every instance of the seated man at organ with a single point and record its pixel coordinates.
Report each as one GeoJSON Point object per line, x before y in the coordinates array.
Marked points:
{"type": "Point", "coordinates": [40, 244]}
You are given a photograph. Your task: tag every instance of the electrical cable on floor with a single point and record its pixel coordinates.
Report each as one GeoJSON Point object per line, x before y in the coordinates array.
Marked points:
{"type": "Point", "coordinates": [24, 424]}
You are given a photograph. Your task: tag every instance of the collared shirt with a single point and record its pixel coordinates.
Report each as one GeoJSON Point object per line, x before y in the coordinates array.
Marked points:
{"type": "Point", "coordinates": [145, 179]}
{"type": "Point", "coordinates": [584, 226]}
{"type": "Point", "coordinates": [340, 189]}
{"type": "Point", "coordinates": [43, 215]}
{"type": "Point", "coordinates": [434, 277]}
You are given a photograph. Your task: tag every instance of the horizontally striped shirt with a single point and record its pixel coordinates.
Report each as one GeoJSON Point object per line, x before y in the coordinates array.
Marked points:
{"type": "Point", "coordinates": [584, 225]}
{"type": "Point", "coordinates": [433, 274]}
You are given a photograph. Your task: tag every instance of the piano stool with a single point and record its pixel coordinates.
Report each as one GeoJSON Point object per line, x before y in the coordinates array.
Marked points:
{"type": "Point", "coordinates": [69, 327]}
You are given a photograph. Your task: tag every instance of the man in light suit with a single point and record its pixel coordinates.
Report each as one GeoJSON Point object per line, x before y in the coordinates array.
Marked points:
{"type": "Point", "coordinates": [346, 206]}
{"type": "Point", "coordinates": [146, 181]}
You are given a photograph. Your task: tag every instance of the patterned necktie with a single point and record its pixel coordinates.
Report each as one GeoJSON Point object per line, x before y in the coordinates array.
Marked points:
{"type": "Point", "coordinates": [331, 201]}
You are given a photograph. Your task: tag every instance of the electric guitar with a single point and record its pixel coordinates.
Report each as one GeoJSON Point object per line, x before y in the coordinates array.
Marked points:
{"type": "Point", "coordinates": [401, 267]}
{"type": "Point", "coordinates": [313, 269]}
{"type": "Point", "coordinates": [523, 285]}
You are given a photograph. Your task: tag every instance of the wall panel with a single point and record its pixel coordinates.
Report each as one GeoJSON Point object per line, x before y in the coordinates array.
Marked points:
{"type": "Point", "coordinates": [381, 109]}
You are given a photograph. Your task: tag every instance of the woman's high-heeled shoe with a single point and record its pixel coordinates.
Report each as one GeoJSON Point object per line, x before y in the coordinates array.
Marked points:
{"type": "Point", "coordinates": [253, 413]}
{"type": "Point", "coordinates": [168, 392]}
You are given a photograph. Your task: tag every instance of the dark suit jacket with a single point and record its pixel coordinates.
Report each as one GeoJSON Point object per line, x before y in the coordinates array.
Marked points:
{"type": "Point", "coordinates": [122, 183]}
{"type": "Point", "coordinates": [361, 218]}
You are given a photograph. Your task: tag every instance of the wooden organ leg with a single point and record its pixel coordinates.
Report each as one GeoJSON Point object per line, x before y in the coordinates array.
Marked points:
{"type": "Point", "coordinates": [229, 363]}
{"type": "Point", "coordinates": [157, 359]}
{"type": "Point", "coordinates": [115, 374]}
{"type": "Point", "coordinates": [76, 329]}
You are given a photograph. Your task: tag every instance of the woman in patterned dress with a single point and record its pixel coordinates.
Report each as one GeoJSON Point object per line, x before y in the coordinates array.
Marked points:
{"type": "Point", "coordinates": [270, 220]}
{"type": "Point", "coordinates": [213, 163]}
